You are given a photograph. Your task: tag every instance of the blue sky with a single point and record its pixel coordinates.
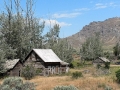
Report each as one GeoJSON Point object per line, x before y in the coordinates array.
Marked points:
{"type": "Point", "coordinates": [73, 15]}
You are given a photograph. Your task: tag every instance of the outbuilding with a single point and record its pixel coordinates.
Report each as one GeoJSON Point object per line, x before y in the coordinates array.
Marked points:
{"type": "Point", "coordinates": [101, 61]}
{"type": "Point", "coordinates": [46, 61]}
{"type": "Point", "coordinates": [13, 67]}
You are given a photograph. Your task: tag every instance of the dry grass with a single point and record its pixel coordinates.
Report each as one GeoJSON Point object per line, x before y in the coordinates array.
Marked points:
{"type": "Point", "coordinates": [88, 82]}
{"type": "Point", "coordinates": [84, 83]}
{"type": "Point", "coordinates": [0, 81]}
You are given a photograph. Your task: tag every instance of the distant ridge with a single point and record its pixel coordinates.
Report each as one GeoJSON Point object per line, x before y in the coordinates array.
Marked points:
{"type": "Point", "coordinates": [109, 31]}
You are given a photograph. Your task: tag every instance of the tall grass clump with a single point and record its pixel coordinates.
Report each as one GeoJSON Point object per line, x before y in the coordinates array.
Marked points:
{"type": "Point", "coordinates": [70, 87]}
{"type": "Point", "coordinates": [76, 75]}
{"type": "Point", "coordinates": [105, 87]}
{"type": "Point", "coordinates": [16, 83]}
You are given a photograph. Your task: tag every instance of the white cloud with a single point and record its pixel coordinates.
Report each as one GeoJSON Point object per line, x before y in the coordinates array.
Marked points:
{"type": "Point", "coordinates": [112, 4]}
{"type": "Point", "coordinates": [53, 22]}
{"type": "Point", "coordinates": [105, 5]}
{"type": "Point", "coordinates": [82, 9]}
{"type": "Point", "coordinates": [66, 15]}
{"type": "Point", "coordinates": [100, 5]}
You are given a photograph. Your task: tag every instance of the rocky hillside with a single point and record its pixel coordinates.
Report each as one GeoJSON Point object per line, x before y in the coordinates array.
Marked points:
{"type": "Point", "coordinates": [109, 32]}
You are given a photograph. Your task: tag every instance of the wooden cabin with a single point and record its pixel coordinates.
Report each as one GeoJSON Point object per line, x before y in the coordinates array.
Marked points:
{"type": "Point", "coordinates": [46, 61]}
{"type": "Point", "coordinates": [100, 61]}
{"type": "Point", "coordinates": [13, 67]}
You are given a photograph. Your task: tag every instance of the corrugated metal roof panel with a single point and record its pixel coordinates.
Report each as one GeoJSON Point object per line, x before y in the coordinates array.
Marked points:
{"type": "Point", "coordinates": [64, 63]}
{"type": "Point", "coordinates": [47, 55]}
{"type": "Point", "coordinates": [104, 59]}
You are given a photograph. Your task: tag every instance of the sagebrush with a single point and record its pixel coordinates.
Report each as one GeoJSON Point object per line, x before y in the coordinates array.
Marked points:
{"type": "Point", "coordinates": [28, 72]}
{"type": "Point", "coordinates": [16, 83]}
{"type": "Point", "coordinates": [70, 87]}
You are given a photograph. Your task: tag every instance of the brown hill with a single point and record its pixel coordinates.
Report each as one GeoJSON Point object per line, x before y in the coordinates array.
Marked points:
{"type": "Point", "coordinates": [109, 32]}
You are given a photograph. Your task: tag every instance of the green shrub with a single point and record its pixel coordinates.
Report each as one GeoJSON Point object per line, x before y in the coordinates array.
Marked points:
{"type": "Point", "coordinates": [16, 83]}
{"type": "Point", "coordinates": [118, 75]}
{"type": "Point", "coordinates": [104, 86]}
{"type": "Point", "coordinates": [75, 64]}
{"type": "Point", "coordinates": [101, 85]}
{"type": "Point", "coordinates": [65, 88]}
{"type": "Point", "coordinates": [28, 72]}
{"type": "Point", "coordinates": [38, 71]}
{"type": "Point", "coordinates": [71, 65]}
{"type": "Point", "coordinates": [28, 86]}
{"type": "Point", "coordinates": [76, 75]}
{"type": "Point", "coordinates": [108, 88]}
{"type": "Point", "coordinates": [107, 65]}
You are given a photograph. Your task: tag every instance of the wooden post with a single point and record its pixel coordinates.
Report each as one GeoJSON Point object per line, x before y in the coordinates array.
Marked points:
{"type": "Point", "coordinates": [53, 70]}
